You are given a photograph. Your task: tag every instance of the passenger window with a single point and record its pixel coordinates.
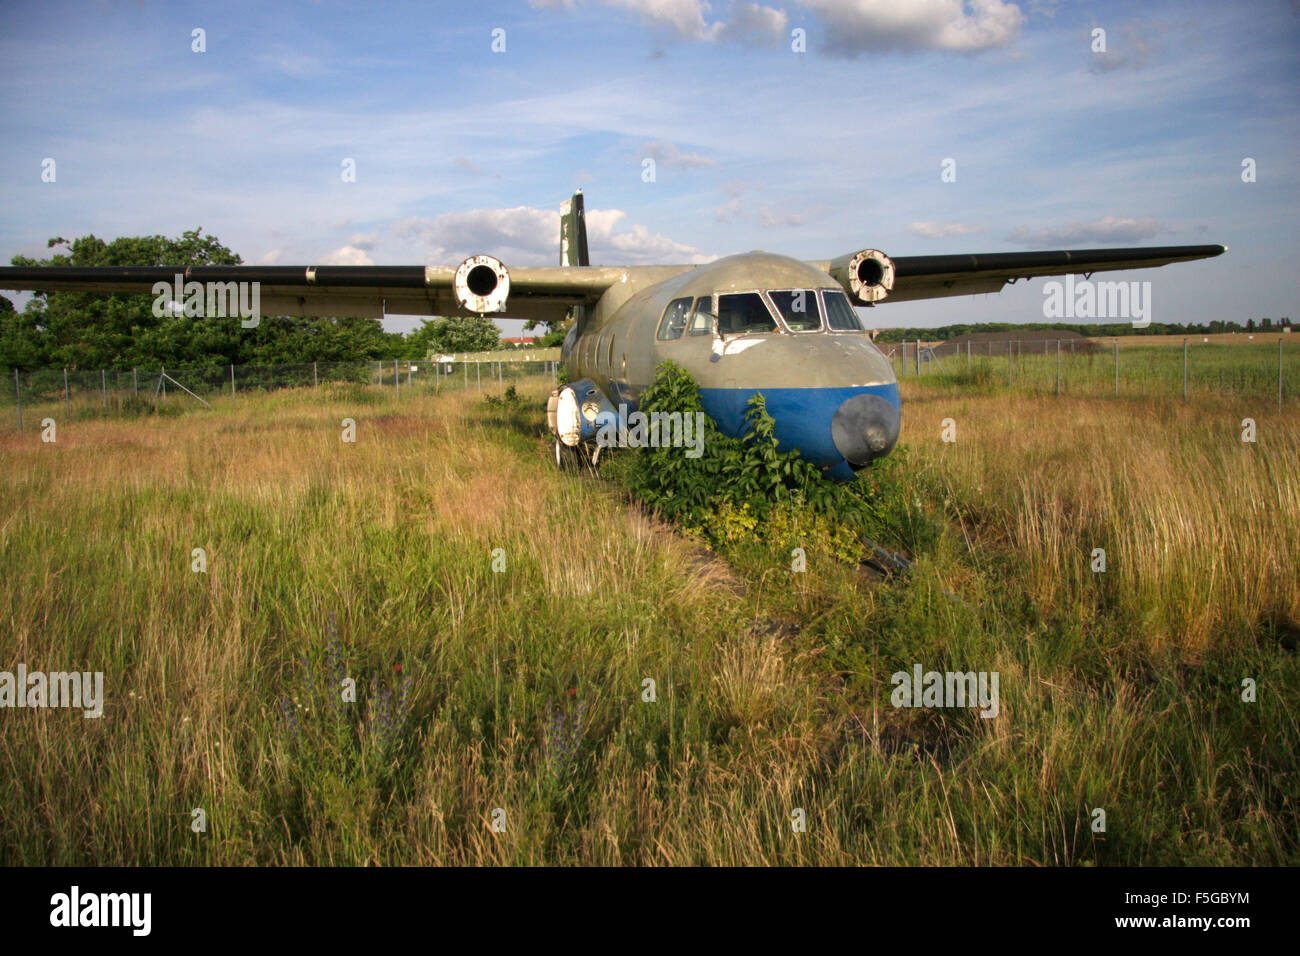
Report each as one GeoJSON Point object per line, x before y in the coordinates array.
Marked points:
{"type": "Point", "coordinates": [840, 316]}
{"type": "Point", "coordinates": [744, 312]}
{"type": "Point", "coordinates": [674, 320]}
{"type": "Point", "coordinates": [702, 320]}
{"type": "Point", "coordinates": [799, 309]}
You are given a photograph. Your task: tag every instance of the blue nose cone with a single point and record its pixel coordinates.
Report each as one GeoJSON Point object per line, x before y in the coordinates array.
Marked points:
{"type": "Point", "coordinates": [864, 427]}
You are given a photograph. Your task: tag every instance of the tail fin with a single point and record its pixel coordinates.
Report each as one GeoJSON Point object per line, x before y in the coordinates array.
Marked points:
{"type": "Point", "coordinates": [573, 233]}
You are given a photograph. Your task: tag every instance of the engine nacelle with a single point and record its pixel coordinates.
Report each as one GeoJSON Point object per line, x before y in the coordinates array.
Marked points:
{"type": "Point", "coordinates": [482, 284]}
{"type": "Point", "coordinates": [868, 275]}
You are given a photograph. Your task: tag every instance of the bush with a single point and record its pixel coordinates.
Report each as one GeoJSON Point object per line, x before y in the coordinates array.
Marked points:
{"type": "Point", "coordinates": [747, 489]}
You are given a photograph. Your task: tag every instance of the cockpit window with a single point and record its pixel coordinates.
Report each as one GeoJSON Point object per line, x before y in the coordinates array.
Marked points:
{"type": "Point", "coordinates": [702, 320]}
{"type": "Point", "coordinates": [674, 320]}
{"type": "Point", "coordinates": [840, 316]}
{"type": "Point", "coordinates": [743, 312]}
{"type": "Point", "coordinates": [799, 309]}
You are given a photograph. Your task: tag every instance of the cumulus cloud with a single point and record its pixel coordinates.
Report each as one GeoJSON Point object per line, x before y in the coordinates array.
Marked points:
{"type": "Point", "coordinates": [271, 258]}
{"type": "Point", "coordinates": [746, 21]}
{"type": "Point", "coordinates": [347, 256]}
{"type": "Point", "coordinates": [959, 26]}
{"type": "Point", "coordinates": [941, 230]}
{"type": "Point", "coordinates": [754, 25]}
{"type": "Point", "coordinates": [637, 247]}
{"type": "Point", "coordinates": [1107, 229]}
{"type": "Point", "coordinates": [528, 236]}
{"type": "Point", "coordinates": [666, 154]}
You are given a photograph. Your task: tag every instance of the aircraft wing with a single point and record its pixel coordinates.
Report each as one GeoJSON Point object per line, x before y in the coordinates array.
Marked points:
{"type": "Point", "coordinates": [932, 277]}
{"type": "Point", "coordinates": [480, 285]}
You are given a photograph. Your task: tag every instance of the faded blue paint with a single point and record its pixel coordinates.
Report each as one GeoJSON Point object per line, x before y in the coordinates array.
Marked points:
{"type": "Point", "coordinates": [803, 416]}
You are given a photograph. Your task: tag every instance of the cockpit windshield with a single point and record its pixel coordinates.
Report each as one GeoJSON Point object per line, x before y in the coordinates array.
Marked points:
{"type": "Point", "coordinates": [840, 316]}
{"type": "Point", "coordinates": [740, 313]}
{"type": "Point", "coordinates": [799, 309]}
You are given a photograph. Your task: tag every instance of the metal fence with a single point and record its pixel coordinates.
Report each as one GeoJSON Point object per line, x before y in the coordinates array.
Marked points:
{"type": "Point", "coordinates": [80, 393]}
{"type": "Point", "coordinates": [1089, 367]}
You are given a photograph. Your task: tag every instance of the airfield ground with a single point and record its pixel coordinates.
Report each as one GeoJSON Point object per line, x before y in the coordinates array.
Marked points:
{"type": "Point", "coordinates": [516, 698]}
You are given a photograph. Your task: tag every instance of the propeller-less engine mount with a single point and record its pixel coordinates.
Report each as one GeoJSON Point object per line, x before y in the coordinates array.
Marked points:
{"type": "Point", "coordinates": [868, 274]}
{"type": "Point", "coordinates": [482, 284]}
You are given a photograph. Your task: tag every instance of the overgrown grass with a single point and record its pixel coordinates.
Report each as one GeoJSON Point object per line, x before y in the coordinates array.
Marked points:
{"type": "Point", "coordinates": [519, 695]}
{"type": "Point", "coordinates": [1247, 371]}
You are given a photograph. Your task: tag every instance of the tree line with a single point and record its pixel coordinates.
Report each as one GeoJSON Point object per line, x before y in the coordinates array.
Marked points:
{"type": "Point", "coordinates": [94, 331]}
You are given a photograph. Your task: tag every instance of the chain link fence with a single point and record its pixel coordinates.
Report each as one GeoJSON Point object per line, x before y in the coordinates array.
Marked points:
{"type": "Point", "coordinates": [73, 394]}
{"type": "Point", "coordinates": [1192, 365]}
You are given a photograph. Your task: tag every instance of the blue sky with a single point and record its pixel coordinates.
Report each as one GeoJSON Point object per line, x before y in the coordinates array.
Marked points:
{"type": "Point", "coordinates": [461, 150]}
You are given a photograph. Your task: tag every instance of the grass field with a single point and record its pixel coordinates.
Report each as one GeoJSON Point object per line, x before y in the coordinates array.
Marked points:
{"type": "Point", "coordinates": [517, 697]}
{"type": "Point", "coordinates": [1147, 369]}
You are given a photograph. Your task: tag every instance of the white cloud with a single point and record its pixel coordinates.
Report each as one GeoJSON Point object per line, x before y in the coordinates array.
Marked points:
{"type": "Point", "coordinates": [1106, 229]}
{"type": "Point", "coordinates": [747, 22]}
{"type": "Point", "coordinates": [770, 218]}
{"type": "Point", "coordinates": [730, 211]}
{"type": "Point", "coordinates": [960, 26]}
{"type": "Point", "coordinates": [271, 258]}
{"type": "Point", "coordinates": [666, 154]}
{"type": "Point", "coordinates": [1135, 49]}
{"type": "Point", "coordinates": [528, 236]}
{"type": "Point", "coordinates": [347, 256]}
{"type": "Point", "coordinates": [941, 230]}
{"type": "Point", "coordinates": [753, 24]}
{"type": "Point", "coordinates": [365, 241]}
{"type": "Point", "coordinates": [638, 247]}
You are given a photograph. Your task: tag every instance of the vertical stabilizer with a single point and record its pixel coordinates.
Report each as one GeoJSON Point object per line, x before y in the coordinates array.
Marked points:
{"type": "Point", "coordinates": [573, 233]}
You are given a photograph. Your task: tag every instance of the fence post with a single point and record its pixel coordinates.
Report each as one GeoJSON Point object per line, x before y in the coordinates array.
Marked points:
{"type": "Point", "coordinates": [315, 382]}
{"type": "Point", "coordinates": [1058, 364]}
{"type": "Point", "coordinates": [103, 386]}
{"type": "Point", "coordinates": [918, 356]}
{"type": "Point", "coordinates": [1279, 372]}
{"type": "Point", "coordinates": [478, 375]}
{"type": "Point", "coordinates": [135, 383]}
{"type": "Point", "coordinates": [968, 356]}
{"type": "Point", "coordinates": [18, 396]}
{"type": "Point", "coordinates": [1184, 368]}
{"type": "Point", "coordinates": [67, 402]}
{"type": "Point", "coordinates": [232, 379]}
{"type": "Point", "coordinates": [1117, 367]}
{"type": "Point", "coordinates": [1009, 378]}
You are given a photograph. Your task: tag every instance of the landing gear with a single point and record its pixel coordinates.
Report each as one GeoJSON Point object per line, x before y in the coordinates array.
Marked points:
{"type": "Point", "coordinates": [564, 456]}
{"type": "Point", "coordinates": [583, 457]}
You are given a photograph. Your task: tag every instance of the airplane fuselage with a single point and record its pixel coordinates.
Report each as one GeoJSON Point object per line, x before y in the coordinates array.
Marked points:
{"type": "Point", "coordinates": [777, 325]}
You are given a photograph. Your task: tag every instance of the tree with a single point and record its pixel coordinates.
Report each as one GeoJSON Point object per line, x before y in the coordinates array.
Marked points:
{"type": "Point", "coordinates": [94, 331]}
{"type": "Point", "coordinates": [474, 333]}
